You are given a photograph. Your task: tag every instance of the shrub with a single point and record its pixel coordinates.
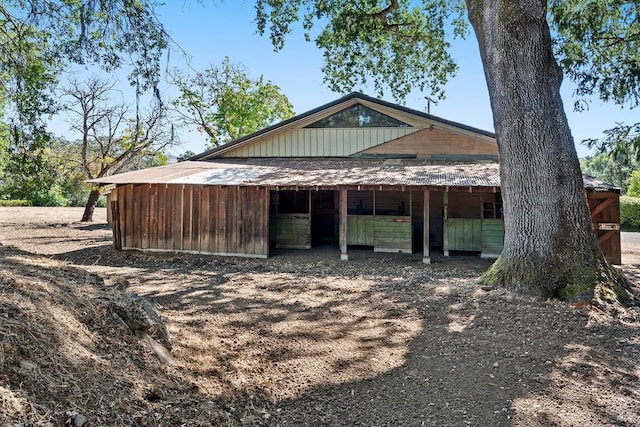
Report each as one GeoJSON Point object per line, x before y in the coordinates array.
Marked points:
{"type": "Point", "coordinates": [630, 213]}
{"type": "Point", "coordinates": [51, 197]}
{"type": "Point", "coordinates": [5, 203]}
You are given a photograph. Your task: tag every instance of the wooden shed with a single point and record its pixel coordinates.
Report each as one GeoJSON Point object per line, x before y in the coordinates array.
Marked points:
{"type": "Point", "coordinates": [354, 172]}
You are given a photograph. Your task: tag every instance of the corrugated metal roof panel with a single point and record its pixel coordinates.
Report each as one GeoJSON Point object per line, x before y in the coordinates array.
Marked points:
{"type": "Point", "coordinates": [593, 183]}
{"type": "Point", "coordinates": [325, 172]}
{"type": "Point", "coordinates": [316, 172]}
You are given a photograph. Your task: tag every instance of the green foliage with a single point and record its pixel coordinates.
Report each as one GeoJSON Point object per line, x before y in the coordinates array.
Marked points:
{"type": "Point", "coordinates": [14, 203]}
{"type": "Point", "coordinates": [52, 196]}
{"type": "Point", "coordinates": [399, 45]}
{"type": "Point", "coordinates": [621, 142]}
{"type": "Point", "coordinates": [630, 213]}
{"type": "Point", "coordinates": [39, 39]}
{"type": "Point", "coordinates": [634, 184]}
{"type": "Point", "coordinates": [110, 34]}
{"type": "Point", "coordinates": [606, 168]}
{"type": "Point", "coordinates": [185, 156]}
{"type": "Point", "coordinates": [225, 103]}
{"type": "Point", "coordinates": [27, 171]}
{"type": "Point", "coordinates": [598, 45]}
{"type": "Point", "coordinates": [403, 45]}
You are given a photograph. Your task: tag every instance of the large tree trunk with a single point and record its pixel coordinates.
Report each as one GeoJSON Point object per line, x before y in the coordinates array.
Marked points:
{"type": "Point", "coordinates": [550, 249]}
{"type": "Point", "coordinates": [92, 201]}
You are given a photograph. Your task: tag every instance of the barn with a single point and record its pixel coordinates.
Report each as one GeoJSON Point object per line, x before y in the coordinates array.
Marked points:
{"type": "Point", "coordinates": [356, 172]}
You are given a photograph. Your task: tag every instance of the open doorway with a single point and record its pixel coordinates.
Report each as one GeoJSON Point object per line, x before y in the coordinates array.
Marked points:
{"type": "Point", "coordinates": [304, 218]}
{"type": "Point", "coordinates": [325, 217]}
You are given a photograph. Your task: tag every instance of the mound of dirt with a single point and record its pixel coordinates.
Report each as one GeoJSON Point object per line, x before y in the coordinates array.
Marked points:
{"type": "Point", "coordinates": [68, 354]}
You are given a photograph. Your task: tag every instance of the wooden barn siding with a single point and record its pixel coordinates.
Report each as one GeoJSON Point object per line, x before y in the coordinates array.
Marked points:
{"type": "Point", "coordinates": [428, 142]}
{"type": "Point", "coordinates": [605, 215]}
{"type": "Point", "coordinates": [193, 218]}
{"type": "Point", "coordinates": [234, 220]}
{"type": "Point", "coordinates": [310, 142]}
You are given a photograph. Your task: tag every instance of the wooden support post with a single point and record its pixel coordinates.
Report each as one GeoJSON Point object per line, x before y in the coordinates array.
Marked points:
{"type": "Point", "coordinates": [115, 225]}
{"type": "Point", "coordinates": [425, 251]}
{"type": "Point", "coordinates": [109, 215]}
{"type": "Point", "coordinates": [343, 225]}
{"type": "Point", "coordinates": [445, 216]}
{"type": "Point", "coordinates": [266, 222]}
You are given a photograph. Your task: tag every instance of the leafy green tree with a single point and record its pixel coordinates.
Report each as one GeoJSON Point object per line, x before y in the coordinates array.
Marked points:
{"type": "Point", "coordinates": [225, 103]}
{"type": "Point", "coordinates": [27, 173]}
{"type": "Point", "coordinates": [609, 169]}
{"type": "Point", "coordinates": [550, 249]}
{"type": "Point", "coordinates": [110, 34]}
{"type": "Point", "coordinates": [599, 48]}
{"type": "Point", "coordinates": [5, 144]}
{"type": "Point", "coordinates": [634, 184]}
{"type": "Point", "coordinates": [111, 141]}
{"type": "Point", "coordinates": [26, 73]}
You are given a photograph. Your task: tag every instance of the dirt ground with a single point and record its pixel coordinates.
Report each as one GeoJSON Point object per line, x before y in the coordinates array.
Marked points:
{"type": "Point", "coordinates": [299, 339]}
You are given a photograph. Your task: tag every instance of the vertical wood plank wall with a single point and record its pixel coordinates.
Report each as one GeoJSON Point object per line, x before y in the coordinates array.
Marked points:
{"type": "Point", "coordinates": [319, 142]}
{"type": "Point", "coordinates": [232, 220]}
{"type": "Point", "coordinates": [226, 220]}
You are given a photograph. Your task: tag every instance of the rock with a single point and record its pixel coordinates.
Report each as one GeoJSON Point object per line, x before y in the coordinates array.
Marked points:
{"type": "Point", "coordinates": [29, 366]}
{"type": "Point", "coordinates": [141, 317]}
{"type": "Point", "coordinates": [79, 420]}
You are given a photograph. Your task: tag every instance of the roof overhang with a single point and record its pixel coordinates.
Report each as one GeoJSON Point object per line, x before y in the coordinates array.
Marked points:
{"type": "Point", "coordinates": [359, 174]}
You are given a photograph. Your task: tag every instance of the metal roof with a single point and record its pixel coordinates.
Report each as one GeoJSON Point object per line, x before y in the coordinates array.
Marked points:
{"type": "Point", "coordinates": [325, 173]}
{"type": "Point", "coordinates": [592, 183]}
{"type": "Point", "coordinates": [316, 172]}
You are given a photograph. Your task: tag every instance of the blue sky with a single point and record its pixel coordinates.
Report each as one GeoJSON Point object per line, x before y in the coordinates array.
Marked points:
{"type": "Point", "coordinates": [209, 33]}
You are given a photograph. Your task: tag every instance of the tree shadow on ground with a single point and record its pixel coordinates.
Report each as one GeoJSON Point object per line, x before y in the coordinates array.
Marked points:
{"type": "Point", "coordinates": [492, 360]}
{"type": "Point", "coordinates": [383, 341]}
{"type": "Point", "coordinates": [92, 226]}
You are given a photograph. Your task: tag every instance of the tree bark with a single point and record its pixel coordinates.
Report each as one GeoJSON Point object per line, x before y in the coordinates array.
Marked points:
{"type": "Point", "coordinates": [550, 249]}
{"type": "Point", "coordinates": [92, 201]}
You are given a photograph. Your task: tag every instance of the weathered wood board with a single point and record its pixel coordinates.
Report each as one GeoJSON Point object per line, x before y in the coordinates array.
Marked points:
{"type": "Point", "coordinates": [605, 215]}
{"type": "Point", "coordinates": [226, 220]}
{"type": "Point", "coordinates": [492, 238]}
{"type": "Point", "coordinates": [392, 234]}
{"type": "Point", "coordinates": [360, 230]}
{"type": "Point", "coordinates": [293, 231]}
{"type": "Point", "coordinates": [463, 234]}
